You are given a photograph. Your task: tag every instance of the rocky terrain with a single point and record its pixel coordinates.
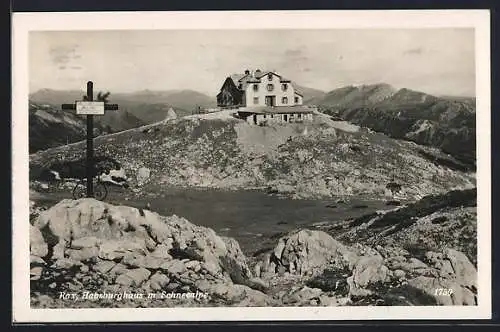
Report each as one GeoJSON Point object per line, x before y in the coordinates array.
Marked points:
{"type": "Point", "coordinates": [447, 123]}
{"type": "Point", "coordinates": [87, 253]}
{"type": "Point", "coordinates": [422, 251]}
{"type": "Point", "coordinates": [321, 159]}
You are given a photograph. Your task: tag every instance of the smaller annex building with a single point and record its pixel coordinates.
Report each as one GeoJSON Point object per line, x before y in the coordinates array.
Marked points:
{"type": "Point", "coordinates": [281, 114]}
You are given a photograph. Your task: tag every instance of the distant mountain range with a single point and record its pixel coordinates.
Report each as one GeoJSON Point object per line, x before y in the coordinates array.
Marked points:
{"type": "Point", "coordinates": [148, 106]}
{"type": "Point", "coordinates": [309, 93]}
{"type": "Point", "coordinates": [50, 127]}
{"type": "Point", "coordinates": [448, 123]}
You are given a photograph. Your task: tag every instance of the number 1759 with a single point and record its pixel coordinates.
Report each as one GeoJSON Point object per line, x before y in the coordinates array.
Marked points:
{"type": "Point", "coordinates": [443, 291]}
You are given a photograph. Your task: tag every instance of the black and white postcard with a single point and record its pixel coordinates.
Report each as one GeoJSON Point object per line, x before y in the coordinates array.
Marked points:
{"type": "Point", "coordinates": [272, 165]}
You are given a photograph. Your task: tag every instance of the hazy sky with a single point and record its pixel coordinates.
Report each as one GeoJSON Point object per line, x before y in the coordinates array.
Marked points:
{"type": "Point", "coordinates": [437, 61]}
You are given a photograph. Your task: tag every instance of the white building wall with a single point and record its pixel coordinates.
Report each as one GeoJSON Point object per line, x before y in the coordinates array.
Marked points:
{"type": "Point", "coordinates": [262, 92]}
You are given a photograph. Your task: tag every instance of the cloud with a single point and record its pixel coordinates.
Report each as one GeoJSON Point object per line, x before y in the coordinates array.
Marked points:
{"type": "Point", "coordinates": [293, 52]}
{"type": "Point", "coordinates": [292, 59]}
{"type": "Point", "coordinates": [62, 55]}
{"type": "Point", "coordinates": [413, 51]}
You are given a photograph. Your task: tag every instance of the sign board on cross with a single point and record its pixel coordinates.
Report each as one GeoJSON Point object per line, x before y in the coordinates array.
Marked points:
{"type": "Point", "coordinates": [90, 107]}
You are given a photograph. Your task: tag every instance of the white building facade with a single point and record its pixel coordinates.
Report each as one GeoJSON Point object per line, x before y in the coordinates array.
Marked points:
{"type": "Point", "coordinates": [264, 97]}
{"type": "Point", "coordinates": [269, 89]}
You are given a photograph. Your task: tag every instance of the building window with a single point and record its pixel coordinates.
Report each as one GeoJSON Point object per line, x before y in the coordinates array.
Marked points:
{"type": "Point", "coordinates": [269, 77]}
{"type": "Point", "coordinates": [255, 87]}
{"type": "Point", "coordinates": [284, 100]}
{"type": "Point", "coordinates": [272, 116]}
{"type": "Point", "coordinates": [265, 116]}
{"type": "Point", "coordinates": [299, 116]}
{"type": "Point", "coordinates": [270, 87]}
{"type": "Point", "coordinates": [284, 86]}
{"type": "Point", "coordinates": [296, 99]}
{"type": "Point", "coordinates": [255, 100]}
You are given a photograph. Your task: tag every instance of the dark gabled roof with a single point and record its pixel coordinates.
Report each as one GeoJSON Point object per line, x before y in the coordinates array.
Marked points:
{"type": "Point", "coordinates": [245, 79]}
{"type": "Point", "coordinates": [236, 78]}
{"type": "Point", "coordinates": [282, 79]}
{"type": "Point", "coordinates": [265, 72]}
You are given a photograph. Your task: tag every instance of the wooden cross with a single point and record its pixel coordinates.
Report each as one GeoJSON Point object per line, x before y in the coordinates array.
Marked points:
{"type": "Point", "coordinates": [89, 107]}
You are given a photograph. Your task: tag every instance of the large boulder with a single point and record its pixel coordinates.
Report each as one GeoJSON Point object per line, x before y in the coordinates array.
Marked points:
{"type": "Point", "coordinates": [453, 264]}
{"type": "Point", "coordinates": [464, 270]}
{"type": "Point", "coordinates": [369, 270]}
{"type": "Point", "coordinates": [306, 252]}
{"type": "Point", "coordinates": [127, 246]}
{"type": "Point", "coordinates": [303, 296]}
{"type": "Point", "coordinates": [448, 278]}
{"type": "Point", "coordinates": [38, 247]}
{"type": "Point", "coordinates": [443, 291]}
{"type": "Point", "coordinates": [171, 115]}
{"type": "Point", "coordinates": [134, 277]}
{"type": "Point", "coordinates": [120, 230]}
{"type": "Point", "coordinates": [143, 175]}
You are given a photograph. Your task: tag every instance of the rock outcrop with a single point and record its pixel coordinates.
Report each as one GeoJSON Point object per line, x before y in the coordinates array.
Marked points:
{"type": "Point", "coordinates": [171, 115]}
{"type": "Point", "coordinates": [90, 246]}
{"type": "Point", "coordinates": [119, 249]}
{"type": "Point", "coordinates": [217, 150]}
{"type": "Point", "coordinates": [304, 252]}
{"type": "Point", "coordinates": [363, 275]}
{"type": "Point", "coordinates": [143, 175]}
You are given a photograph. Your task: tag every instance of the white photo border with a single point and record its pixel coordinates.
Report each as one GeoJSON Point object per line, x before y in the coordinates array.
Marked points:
{"type": "Point", "coordinates": [23, 23]}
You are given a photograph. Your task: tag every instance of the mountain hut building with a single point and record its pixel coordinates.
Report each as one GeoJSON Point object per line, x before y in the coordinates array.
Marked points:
{"type": "Point", "coordinates": [263, 96]}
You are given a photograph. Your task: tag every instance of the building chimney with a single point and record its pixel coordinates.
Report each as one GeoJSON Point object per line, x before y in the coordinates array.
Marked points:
{"type": "Point", "coordinates": [247, 72]}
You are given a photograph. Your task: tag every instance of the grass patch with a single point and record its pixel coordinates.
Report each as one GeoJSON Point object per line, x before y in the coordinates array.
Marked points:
{"type": "Point", "coordinates": [446, 161]}
{"type": "Point", "coordinates": [439, 220]}
{"type": "Point", "coordinates": [331, 280]}
{"type": "Point", "coordinates": [427, 205]}
{"type": "Point", "coordinates": [363, 219]}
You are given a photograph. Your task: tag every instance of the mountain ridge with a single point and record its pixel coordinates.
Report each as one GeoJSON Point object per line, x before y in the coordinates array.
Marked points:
{"type": "Point", "coordinates": [50, 127]}
{"type": "Point", "coordinates": [447, 123]}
